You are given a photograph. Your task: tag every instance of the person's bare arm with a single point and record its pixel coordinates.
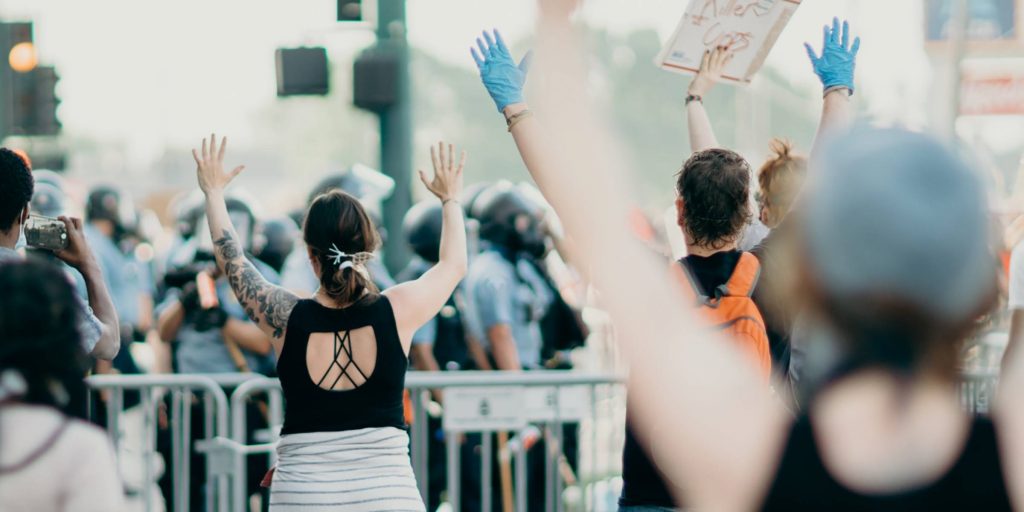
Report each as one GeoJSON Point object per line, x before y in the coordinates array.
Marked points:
{"type": "Point", "coordinates": [169, 321]}
{"type": "Point", "coordinates": [79, 256]}
{"type": "Point", "coordinates": [269, 306]}
{"type": "Point", "coordinates": [1007, 412]}
{"type": "Point", "coordinates": [248, 336]}
{"type": "Point", "coordinates": [416, 302]}
{"type": "Point", "coordinates": [503, 348]}
{"type": "Point", "coordinates": [717, 396]}
{"type": "Point", "coordinates": [702, 135]}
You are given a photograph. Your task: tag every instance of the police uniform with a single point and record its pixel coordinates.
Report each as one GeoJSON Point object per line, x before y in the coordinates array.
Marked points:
{"type": "Point", "coordinates": [498, 292]}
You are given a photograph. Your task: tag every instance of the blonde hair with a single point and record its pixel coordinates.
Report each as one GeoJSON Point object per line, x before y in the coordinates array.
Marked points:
{"type": "Point", "coordinates": [780, 178]}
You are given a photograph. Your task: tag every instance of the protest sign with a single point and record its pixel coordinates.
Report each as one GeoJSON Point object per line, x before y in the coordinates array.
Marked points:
{"type": "Point", "coordinates": [749, 27]}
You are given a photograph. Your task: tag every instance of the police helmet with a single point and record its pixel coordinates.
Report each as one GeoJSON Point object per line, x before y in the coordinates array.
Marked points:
{"type": "Point", "coordinates": [422, 229]}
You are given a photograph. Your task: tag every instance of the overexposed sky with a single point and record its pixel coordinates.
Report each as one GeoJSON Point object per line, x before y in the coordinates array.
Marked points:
{"type": "Point", "coordinates": [148, 74]}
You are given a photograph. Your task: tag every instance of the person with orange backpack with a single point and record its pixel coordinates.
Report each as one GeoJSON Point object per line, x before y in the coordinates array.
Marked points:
{"type": "Point", "coordinates": [713, 210]}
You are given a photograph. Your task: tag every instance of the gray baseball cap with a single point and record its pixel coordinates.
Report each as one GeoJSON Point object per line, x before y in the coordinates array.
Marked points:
{"type": "Point", "coordinates": [892, 213]}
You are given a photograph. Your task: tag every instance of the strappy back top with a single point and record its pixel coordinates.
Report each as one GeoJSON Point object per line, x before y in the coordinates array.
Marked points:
{"type": "Point", "coordinates": [975, 482]}
{"type": "Point", "coordinates": [318, 404]}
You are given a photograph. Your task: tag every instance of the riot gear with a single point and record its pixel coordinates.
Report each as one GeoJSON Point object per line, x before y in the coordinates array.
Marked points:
{"type": "Point", "coordinates": [422, 229]}
{"type": "Point", "coordinates": [510, 220]}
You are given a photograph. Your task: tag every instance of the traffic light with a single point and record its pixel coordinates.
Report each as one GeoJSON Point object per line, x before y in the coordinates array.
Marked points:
{"type": "Point", "coordinates": [302, 72]}
{"type": "Point", "coordinates": [350, 10]}
{"type": "Point", "coordinates": [34, 111]}
{"type": "Point", "coordinates": [28, 99]}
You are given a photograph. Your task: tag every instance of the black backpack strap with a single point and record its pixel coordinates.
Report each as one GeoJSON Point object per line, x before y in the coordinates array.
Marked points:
{"type": "Point", "coordinates": [702, 298]}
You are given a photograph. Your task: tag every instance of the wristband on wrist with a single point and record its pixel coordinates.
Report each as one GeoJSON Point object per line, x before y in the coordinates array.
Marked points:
{"type": "Point", "coordinates": [690, 98]}
{"type": "Point", "coordinates": [830, 90]}
{"type": "Point", "coordinates": [514, 119]}
{"type": "Point", "coordinates": [449, 200]}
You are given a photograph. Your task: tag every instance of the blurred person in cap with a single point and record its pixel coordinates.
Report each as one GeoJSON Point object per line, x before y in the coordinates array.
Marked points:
{"type": "Point", "coordinates": [49, 460]}
{"type": "Point", "coordinates": [99, 323]}
{"type": "Point", "coordinates": [892, 251]}
{"type": "Point", "coordinates": [372, 188]}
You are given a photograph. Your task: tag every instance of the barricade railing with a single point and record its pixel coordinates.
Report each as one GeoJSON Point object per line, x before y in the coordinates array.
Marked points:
{"type": "Point", "coordinates": [509, 409]}
{"type": "Point", "coordinates": [183, 390]}
{"type": "Point", "coordinates": [527, 404]}
{"type": "Point", "coordinates": [978, 390]}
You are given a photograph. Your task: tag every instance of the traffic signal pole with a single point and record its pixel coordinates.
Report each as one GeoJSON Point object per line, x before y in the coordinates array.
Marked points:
{"type": "Point", "coordinates": [396, 132]}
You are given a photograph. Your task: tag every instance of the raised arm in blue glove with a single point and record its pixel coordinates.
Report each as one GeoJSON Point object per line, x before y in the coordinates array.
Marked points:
{"type": "Point", "coordinates": [501, 76]}
{"type": "Point", "coordinates": [835, 65]}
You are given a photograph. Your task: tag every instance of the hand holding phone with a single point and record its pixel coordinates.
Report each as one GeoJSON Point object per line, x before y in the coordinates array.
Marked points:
{"type": "Point", "coordinates": [46, 233]}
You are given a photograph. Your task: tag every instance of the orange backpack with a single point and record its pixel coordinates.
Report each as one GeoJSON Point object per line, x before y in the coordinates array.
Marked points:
{"type": "Point", "coordinates": [731, 309]}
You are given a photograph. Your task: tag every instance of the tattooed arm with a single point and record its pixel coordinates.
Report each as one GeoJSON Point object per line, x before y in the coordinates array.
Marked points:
{"type": "Point", "coordinates": [267, 305]}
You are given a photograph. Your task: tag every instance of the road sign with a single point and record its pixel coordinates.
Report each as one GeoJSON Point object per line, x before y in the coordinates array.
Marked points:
{"type": "Point", "coordinates": [484, 409]}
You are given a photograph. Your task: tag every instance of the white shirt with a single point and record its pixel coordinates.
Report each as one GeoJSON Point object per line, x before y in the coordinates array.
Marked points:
{"type": "Point", "coordinates": [76, 473]}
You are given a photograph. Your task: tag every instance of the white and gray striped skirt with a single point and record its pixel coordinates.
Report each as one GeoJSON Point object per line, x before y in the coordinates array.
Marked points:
{"type": "Point", "coordinates": [359, 470]}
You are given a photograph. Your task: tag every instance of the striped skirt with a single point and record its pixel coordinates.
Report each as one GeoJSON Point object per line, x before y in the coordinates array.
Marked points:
{"type": "Point", "coordinates": [359, 470]}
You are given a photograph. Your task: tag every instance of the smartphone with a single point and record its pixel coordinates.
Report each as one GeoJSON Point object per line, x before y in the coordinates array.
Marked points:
{"type": "Point", "coordinates": [46, 233]}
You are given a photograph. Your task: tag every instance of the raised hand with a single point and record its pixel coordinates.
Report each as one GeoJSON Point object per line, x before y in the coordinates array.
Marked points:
{"type": "Point", "coordinates": [501, 76]}
{"type": "Point", "coordinates": [711, 67]}
{"type": "Point", "coordinates": [447, 181]}
{"type": "Point", "coordinates": [836, 64]}
{"type": "Point", "coordinates": [210, 166]}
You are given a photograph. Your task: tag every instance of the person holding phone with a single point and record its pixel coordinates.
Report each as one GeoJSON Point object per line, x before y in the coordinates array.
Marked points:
{"type": "Point", "coordinates": [98, 323]}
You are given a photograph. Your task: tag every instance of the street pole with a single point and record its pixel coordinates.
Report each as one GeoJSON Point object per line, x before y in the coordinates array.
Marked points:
{"type": "Point", "coordinates": [396, 132]}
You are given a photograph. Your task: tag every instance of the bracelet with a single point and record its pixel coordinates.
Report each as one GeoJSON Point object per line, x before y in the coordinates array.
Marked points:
{"type": "Point", "coordinates": [690, 98]}
{"type": "Point", "coordinates": [830, 90]}
{"type": "Point", "coordinates": [513, 120]}
{"type": "Point", "coordinates": [450, 200]}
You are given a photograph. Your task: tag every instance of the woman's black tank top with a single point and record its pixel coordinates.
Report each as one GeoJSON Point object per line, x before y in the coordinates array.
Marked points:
{"type": "Point", "coordinates": [975, 482]}
{"type": "Point", "coordinates": [376, 403]}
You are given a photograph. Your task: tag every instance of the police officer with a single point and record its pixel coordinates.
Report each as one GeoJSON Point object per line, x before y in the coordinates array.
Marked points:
{"type": "Point", "coordinates": [506, 297]}
{"type": "Point", "coordinates": [109, 216]}
{"type": "Point", "coordinates": [209, 331]}
{"type": "Point", "coordinates": [371, 188]}
{"type": "Point", "coordinates": [278, 238]}
{"type": "Point", "coordinates": [505, 294]}
{"type": "Point", "coordinates": [438, 345]}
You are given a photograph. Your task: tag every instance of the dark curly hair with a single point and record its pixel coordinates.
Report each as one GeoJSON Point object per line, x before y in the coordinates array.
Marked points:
{"type": "Point", "coordinates": [715, 188]}
{"type": "Point", "coordinates": [16, 186]}
{"type": "Point", "coordinates": [39, 335]}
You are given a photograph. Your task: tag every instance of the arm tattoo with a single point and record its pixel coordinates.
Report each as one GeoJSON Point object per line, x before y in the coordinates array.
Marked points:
{"type": "Point", "coordinates": [263, 302]}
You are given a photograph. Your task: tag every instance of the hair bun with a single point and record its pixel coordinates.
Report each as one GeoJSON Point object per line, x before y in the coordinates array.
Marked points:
{"type": "Point", "coordinates": [782, 148]}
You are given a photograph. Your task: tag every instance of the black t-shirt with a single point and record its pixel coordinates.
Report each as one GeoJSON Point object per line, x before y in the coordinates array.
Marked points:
{"type": "Point", "coordinates": [642, 483]}
{"type": "Point", "coordinates": [975, 482]}
{"type": "Point", "coordinates": [776, 322]}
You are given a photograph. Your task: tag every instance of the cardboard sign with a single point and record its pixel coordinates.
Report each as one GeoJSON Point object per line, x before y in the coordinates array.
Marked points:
{"type": "Point", "coordinates": [749, 27]}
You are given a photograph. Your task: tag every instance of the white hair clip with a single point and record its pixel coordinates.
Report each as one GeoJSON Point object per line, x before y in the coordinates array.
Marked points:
{"type": "Point", "coordinates": [343, 260]}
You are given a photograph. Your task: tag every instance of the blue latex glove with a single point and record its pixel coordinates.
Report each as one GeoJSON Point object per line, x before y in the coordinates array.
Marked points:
{"type": "Point", "coordinates": [835, 65]}
{"type": "Point", "coordinates": [501, 76]}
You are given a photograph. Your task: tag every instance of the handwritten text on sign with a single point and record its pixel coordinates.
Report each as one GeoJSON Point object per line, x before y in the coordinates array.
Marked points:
{"type": "Point", "coordinates": [749, 27]}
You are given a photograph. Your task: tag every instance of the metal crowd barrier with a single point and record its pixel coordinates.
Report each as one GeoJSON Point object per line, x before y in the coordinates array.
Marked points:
{"type": "Point", "coordinates": [486, 403]}
{"type": "Point", "coordinates": [183, 389]}
{"type": "Point", "coordinates": [602, 395]}
{"type": "Point", "coordinates": [978, 390]}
